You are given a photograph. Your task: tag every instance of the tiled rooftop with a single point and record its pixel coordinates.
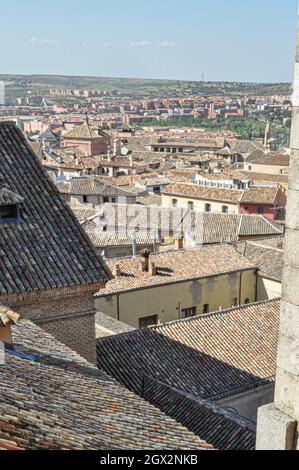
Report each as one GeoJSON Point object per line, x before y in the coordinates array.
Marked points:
{"type": "Point", "coordinates": [60, 401]}
{"type": "Point", "coordinates": [48, 248]}
{"type": "Point", "coordinates": [233, 196]}
{"type": "Point", "coordinates": [210, 356]}
{"type": "Point", "coordinates": [173, 267]}
{"type": "Point", "coordinates": [268, 258]}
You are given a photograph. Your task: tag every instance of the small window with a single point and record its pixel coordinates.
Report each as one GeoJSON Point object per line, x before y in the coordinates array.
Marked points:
{"type": "Point", "coordinates": [148, 321]}
{"type": "Point", "coordinates": [190, 205]}
{"type": "Point", "coordinates": [113, 200]}
{"type": "Point", "coordinates": [8, 212]}
{"type": "Point", "coordinates": [208, 208]}
{"type": "Point", "coordinates": [188, 312]}
{"type": "Point", "coordinates": [105, 199]}
{"type": "Point", "coordinates": [235, 302]}
{"type": "Point", "coordinates": [260, 210]}
{"type": "Point", "coordinates": [85, 199]}
{"type": "Point", "coordinates": [225, 209]}
{"type": "Point", "coordinates": [206, 308]}
{"type": "Point", "coordinates": [247, 301]}
{"type": "Point", "coordinates": [174, 203]}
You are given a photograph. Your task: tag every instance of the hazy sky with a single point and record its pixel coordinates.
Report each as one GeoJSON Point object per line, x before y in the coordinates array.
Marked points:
{"type": "Point", "coordinates": [240, 40]}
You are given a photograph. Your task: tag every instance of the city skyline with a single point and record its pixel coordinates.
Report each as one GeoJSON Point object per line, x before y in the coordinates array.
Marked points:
{"type": "Point", "coordinates": [158, 41]}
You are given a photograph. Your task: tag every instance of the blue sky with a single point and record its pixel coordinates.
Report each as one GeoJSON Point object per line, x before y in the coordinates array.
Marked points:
{"type": "Point", "coordinates": [240, 40]}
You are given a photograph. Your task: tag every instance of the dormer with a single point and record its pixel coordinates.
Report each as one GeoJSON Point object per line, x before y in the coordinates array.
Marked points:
{"type": "Point", "coordinates": [10, 202]}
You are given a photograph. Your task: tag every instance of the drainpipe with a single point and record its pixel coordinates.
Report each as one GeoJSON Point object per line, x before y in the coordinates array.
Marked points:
{"type": "Point", "coordinates": [240, 288]}
{"type": "Point", "coordinates": [117, 307]}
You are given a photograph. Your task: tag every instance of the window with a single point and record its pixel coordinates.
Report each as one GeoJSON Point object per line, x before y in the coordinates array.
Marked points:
{"type": "Point", "coordinates": [174, 203]}
{"type": "Point", "coordinates": [148, 321]}
{"type": "Point", "coordinates": [206, 308]}
{"type": "Point", "coordinates": [85, 199]}
{"type": "Point", "coordinates": [8, 212]}
{"type": "Point", "coordinates": [247, 301]}
{"type": "Point", "coordinates": [225, 209]}
{"type": "Point", "coordinates": [188, 312]}
{"type": "Point", "coordinates": [113, 200]}
{"type": "Point", "coordinates": [208, 208]}
{"type": "Point", "coordinates": [260, 210]}
{"type": "Point", "coordinates": [235, 302]}
{"type": "Point", "coordinates": [157, 189]}
{"type": "Point", "coordinates": [190, 205]}
{"type": "Point", "coordinates": [106, 199]}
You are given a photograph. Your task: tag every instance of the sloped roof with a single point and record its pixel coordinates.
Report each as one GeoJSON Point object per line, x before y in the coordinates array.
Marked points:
{"type": "Point", "coordinates": [60, 401]}
{"type": "Point", "coordinates": [105, 239]}
{"type": "Point", "coordinates": [272, 159]}
{"type": "Point", "coordinates": [48, 249]}
{"type": "Point", "coordinates": [88, 185]}
{"type": "Point", "coordinates": [173, 267]}
{"type": "Point", "coordinates": [204, 192]}
{"type": "Point", "coordinates": [219, 228]}
{"type": "Point", "coordinates": [260, 195]}
{"type": "Point", "coordinates": [85, 131]}
{"type": "Point", "coordinates": [268, 258]}
{"type": "Point", "coordinates": [210, 356]}
{"type": "Point", "coordinates": [221, 427]}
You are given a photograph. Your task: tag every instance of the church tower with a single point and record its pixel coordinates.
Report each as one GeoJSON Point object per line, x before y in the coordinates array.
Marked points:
{"type": "Point", "coordinates": [278, 423]}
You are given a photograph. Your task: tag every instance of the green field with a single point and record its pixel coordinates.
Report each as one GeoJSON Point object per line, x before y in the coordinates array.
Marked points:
{"type": "Point", "coordinates": [136, 87]}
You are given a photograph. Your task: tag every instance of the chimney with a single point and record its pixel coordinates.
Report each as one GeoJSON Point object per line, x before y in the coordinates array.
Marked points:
{"type": "Point", "coordinates": [117, 270]}
{"type": "Point", "coordinates": [277, 423]}
{"type": "Point", "coordinates": [145, 260]}
{"type": "Point", "coordinates": [179, 243]}
{"type": "Point", "coordinates": [153, 269]}
{"type": "Point", "coordinates": [7, 318]}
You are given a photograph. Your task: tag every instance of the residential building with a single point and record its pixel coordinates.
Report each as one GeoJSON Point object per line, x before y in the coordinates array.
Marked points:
{"type": "Point", "coordinates": [160, 287]}
{"type": "Point", "coordinates": [91, 140]}
{"type": "Point", "coordinates": [263, 163]}
{"type": "Point", "coordinates": [91, 192]}
{"type": "Point", "coordinates": [267, 201]}
{"type": "Point", "coordinates": [269, 259]}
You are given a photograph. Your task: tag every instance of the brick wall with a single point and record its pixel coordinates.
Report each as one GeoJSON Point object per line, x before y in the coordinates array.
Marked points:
{"type": "Point", "coordinates": [69, 318]}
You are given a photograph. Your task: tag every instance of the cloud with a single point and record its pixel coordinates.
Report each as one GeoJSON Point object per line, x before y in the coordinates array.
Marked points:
{"type": "Point", "coordinates": [52, 42]}
{"type": "Point", "coordinates": [140, 44]}
{"type": "Point", "coordinates": [166, 44]}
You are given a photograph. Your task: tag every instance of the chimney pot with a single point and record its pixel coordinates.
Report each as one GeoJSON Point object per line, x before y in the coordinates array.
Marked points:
{"type": "Point", "coordinates": [117, 270]}
{"type": "Point", "coordinates": [153, 269]}
{"type": "Point", "coordinates": [145, 256]}
{"type": "Point", "coordinates": [179, 243]}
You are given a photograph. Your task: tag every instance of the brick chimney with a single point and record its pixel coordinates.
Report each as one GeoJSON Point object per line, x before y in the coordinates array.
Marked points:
{"type": "Point", "coordinates": [117, 270]}
{"type": "Point", "coordinates": [145, 260]}
{"type": "Point", "coordinates": [179, 243]}
{"type": "Point", "coordinates": [153, 269]}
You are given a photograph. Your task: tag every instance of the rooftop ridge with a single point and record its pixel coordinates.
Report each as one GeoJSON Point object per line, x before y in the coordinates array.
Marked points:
{"type": "Point", "coordinates": [214, 314]}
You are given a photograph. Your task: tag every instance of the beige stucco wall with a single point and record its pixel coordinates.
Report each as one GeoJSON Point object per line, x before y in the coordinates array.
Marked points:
{"type": "Point", "coordinates": [199, 204]}
{"type": "Point", "coordinates": [166, 301]}
{"type": "Point", "coordinates": [267, 288]}
{"type": "Point", "coordinates": [275, 169]}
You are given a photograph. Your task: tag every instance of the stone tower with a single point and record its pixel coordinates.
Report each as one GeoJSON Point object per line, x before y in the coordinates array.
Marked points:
{"type": "Point", "coordinates": [278, 423]}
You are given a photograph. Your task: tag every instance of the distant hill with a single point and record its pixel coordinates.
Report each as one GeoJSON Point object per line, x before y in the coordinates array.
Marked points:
{"type": "Point", "coordinates": [138, 87]}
